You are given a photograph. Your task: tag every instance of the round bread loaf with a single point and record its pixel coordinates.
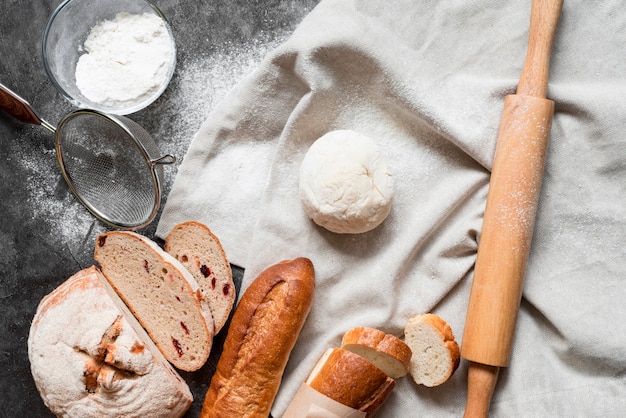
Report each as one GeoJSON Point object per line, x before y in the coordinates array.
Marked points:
{"type": "Point", "coordinates": [345, 185]}
{"type": "Point", "coordinates": [87, 359]}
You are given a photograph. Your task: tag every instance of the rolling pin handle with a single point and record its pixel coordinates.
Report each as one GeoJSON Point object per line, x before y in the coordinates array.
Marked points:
{"type": "Point", "coordinates": [482, 380]}
{"type": "Point", "coordinates": [509, 215]}
{"type": "Point", "coordinates": [544, 19]}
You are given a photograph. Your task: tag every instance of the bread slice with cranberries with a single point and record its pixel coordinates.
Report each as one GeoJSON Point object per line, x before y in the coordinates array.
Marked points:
{"type": "Point", "coordinates": [161, 294]}
{"type": "Point", "coordinates": [200, 251]}
{"type": "Point", "coordinates": [436, 354]}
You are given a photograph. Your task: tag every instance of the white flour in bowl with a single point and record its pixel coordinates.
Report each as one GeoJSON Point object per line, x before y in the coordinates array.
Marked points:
{"type": "Point", "coordinates": [127, 59]}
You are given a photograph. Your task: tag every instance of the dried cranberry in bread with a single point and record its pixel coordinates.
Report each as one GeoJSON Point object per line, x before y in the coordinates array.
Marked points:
{"type": "Point", "coordinates": [200, 251]}
{"type": "Point", "coordinates": [87, 359]}
{"type": "Point", "coordinates": [263, 331]}
{"type": "Point", "coordinates": [387, 352]}
{"type": "Point", "coordinates": [162, 295]}
{"type": "Point", "coordinates": [352, 380]}
{"type": "Point", "coordinates": [435, 352]}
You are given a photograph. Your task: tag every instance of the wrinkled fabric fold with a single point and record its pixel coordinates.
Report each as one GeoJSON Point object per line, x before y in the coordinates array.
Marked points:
{"type": "Point", "coordinates": [427, 81]}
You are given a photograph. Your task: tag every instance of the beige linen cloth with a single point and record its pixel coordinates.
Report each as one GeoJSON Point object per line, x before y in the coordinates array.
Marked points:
{"type": "Point", "coordinates": [427, 80]}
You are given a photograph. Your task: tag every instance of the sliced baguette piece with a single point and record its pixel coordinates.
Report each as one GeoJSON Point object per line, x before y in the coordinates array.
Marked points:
{"type": "Point", "coordinates": [200, 251]}
{"type": "Point", "coordinates": [386, 351]}
{"type": "Point", "coordinates": [436, 354]}
{"type": "Point", "coordinates": [90, 358]}
{"type": "Point", "coordinates": [351, 380]}
{"type": "Point", "coordinates": [161, 294]}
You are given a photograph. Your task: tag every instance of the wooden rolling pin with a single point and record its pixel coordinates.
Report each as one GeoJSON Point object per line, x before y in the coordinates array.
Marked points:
{"type": "Point", "coordinates": [509, 215]}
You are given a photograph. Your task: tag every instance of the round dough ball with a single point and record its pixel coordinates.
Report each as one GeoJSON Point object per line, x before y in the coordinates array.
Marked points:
{"type": "Point", "coordinates": [345, 185]}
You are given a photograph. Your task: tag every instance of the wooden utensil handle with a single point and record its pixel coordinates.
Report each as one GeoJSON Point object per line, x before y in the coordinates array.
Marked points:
{"type": "Point", "coordinates": [481, 380]}
{"type": "Point", "coordinates": [509, 217]}
{"type": "Point", "coordinates": [544, 19]}
{"type": "Point", "coordinates": [17, 107]}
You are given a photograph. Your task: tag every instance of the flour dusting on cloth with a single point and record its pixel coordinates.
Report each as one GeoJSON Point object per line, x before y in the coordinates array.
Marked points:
{"type": "Point", "coordinates": [427, 81]}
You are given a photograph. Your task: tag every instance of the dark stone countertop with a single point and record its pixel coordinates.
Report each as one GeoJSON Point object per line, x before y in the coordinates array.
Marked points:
{"type": "Point", "coordinates": [45, 234]}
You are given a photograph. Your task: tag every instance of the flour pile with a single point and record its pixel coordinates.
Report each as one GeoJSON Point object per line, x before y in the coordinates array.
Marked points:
{"type": "Point", "coordinates": [127, 59]}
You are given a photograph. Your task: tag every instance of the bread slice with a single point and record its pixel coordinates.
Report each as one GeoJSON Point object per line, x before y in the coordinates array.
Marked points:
{"type": "Point", "coordinates": [162, 295]}
{"type": "Point", "coordinates": [435, 352]}
{"type": "Point", "coordinates": [89, 358]}
{"type": "Point", "coordinates": [200, 251]}
{"type": "Point", "coordinates": [351, 380]}
{"type": "Point", "coordinates": [387, 352]}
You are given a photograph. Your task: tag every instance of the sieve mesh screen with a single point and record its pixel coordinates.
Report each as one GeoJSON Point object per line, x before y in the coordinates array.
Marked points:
{"type": "Point", "coordinates": [107, 168]}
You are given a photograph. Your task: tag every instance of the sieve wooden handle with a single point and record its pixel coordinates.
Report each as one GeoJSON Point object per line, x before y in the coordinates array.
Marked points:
{"type": "Point", "coordinates": [509, 217]}
{"type": "Point", "coordinates": [17, 107]}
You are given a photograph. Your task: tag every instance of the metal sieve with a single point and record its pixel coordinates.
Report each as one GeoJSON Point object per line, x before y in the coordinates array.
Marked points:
{"type": "Point", "coordinates": [110, 163]}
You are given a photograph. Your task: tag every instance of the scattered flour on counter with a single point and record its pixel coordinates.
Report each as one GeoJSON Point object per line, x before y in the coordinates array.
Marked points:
{"type": "Point", "coordinates": [202, 81]}
{"type": "Point", "coordinates": [127, 59]}
{"type": "Point", "coordinates": [50, 203]}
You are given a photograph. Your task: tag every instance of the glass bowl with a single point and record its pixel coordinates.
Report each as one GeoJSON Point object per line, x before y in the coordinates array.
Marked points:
{"type": "Point", "coordinates": [63, 45]}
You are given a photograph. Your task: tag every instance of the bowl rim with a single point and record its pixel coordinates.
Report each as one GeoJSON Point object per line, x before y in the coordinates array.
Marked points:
{"type": "Point", "coordinates": [88, 104]}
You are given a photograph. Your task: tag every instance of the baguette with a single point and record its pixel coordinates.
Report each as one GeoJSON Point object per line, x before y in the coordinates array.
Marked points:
{"type": "Point", "coordinates": [387, 352]}
{"type": "Point", "coordinates": [351, 380]}
{"type": "Point", "coordinates": [263, 331]}
{"type": "Point", "coordinates": [359, 375]}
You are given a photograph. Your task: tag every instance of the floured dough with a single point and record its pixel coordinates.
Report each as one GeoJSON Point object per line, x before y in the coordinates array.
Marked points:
{"type": "Point", "coordinates": [88, 361]}
{"type": "Point", "coordinates": [345, 185]}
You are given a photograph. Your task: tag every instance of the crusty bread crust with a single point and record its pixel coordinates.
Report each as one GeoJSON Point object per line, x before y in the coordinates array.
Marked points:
{"type": "Point", "coordinates": [361, 373]}
{"type": "Point", "coordinates": [388, 352]}
{"type": "Point", "coordinates": [426, 335]}
{"type": "Point", "coordinates": [351, 380]}
{"type": "Point", "coordinates": [200, 251]}
{"type": "Point", "coordinates": [89, 358]}
{"type": "Point", "coordinates": [263, 330]}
